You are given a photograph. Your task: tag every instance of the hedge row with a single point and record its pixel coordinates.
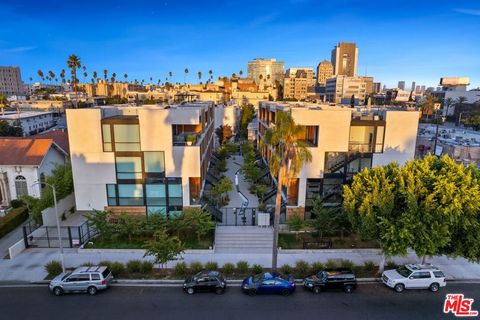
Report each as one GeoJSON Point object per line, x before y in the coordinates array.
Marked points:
{"type": "Point", "coordinates": [12, 220]}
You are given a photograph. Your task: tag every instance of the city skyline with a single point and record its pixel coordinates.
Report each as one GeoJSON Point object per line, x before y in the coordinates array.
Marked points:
{"type": "Point", "coordinates": [158, 38]}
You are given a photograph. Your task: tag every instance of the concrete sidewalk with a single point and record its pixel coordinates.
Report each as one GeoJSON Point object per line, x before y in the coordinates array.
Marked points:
{"type": "Point", "coordinates": [29, 265]}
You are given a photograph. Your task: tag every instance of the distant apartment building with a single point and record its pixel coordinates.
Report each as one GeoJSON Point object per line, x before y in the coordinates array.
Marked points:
{"type": "Point", "coordinates": [377, 87]}
{"type": "Point", "coordinates": [453, 88]}
{"type": "Point", "coordinates": [141, 160]}
{"type": "Point", "coordinates": [270, 71]}
{"type": "Point", "coordinates": [11, 83]}
{"type": "Point", "coordinates": [413, 86]}
{"type": "Point", "coordinates": [342, 141]}
{"type": "Point", "coordinates": [30, 121]}
{"type": "Point", "coordinates": [342, 89]}
{"type": "Point", "coordinates": [345, 59]}
{"type": "Point", "coordinates": [296, 83]}
{"type": "Point", "coordinates": [324, 71]}
{"type": "Point", "coordinates": [401, 85]}
{"type": "Point", "coordinates": [368, 84]}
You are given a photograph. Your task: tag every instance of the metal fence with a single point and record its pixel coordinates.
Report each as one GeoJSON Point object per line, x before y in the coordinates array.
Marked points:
{"type": "Point", "coordinates": [238, 216]}
{"type": "Point", "coordinates": [48, 237]}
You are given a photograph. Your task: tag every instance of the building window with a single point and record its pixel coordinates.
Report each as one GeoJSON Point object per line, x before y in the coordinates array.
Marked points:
{"type": "Point", "coordinates": [175, 192]}
{"type": "Point", "coordinates": [112, 195]}
{"type": "Point", "coordinates": [130, 194]}
{"type": "Point", "coordinates": [310, 136]}
{"type": "Point", "coordinates": [194, 184]}
{"type": "Point", "coordinates": [121, 137]}
{"type": "Point", "coordinates": [156, 194]}
{"type": "Point", "coordinates": [368, 139]}
{"type": "Point", "coordinates": [21, 186]}
{"type": "Point", "coordinates": [154, 163]}
{"type": "Point", "coordinates": [129, 168]}
{"type": "Point", "coordinates": [107, 137]}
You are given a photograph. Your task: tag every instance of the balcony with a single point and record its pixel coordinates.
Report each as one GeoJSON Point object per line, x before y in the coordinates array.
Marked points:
{"type": "Point", "coordinates": [186, 139]}
{"type": "Point", "coordinates": [365, 147]}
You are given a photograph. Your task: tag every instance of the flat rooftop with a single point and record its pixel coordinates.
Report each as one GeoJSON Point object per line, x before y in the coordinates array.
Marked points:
{"type": "Point", "coordinates": [287, 105]}
{"type": "Point", "coordinates": [13, 115]}
{"type": "Point", "coordinates": [451, 135]}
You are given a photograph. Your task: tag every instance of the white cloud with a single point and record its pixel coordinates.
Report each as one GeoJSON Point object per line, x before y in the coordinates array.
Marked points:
{"type": "Point", "coordinates": [471, 12]}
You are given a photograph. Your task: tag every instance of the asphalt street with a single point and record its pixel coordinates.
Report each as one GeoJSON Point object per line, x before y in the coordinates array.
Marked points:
{"type": "Point", "coordinates": [369, 301]}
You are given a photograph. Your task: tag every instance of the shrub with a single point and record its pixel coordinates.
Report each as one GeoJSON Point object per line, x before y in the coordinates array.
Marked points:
{"type": "Point", "coordinates": [391, 265]}
{"type": "Point", "coordinates": [12, 220]}
{"type": "Point", "coordinates": [117, 268]}
{"type": "Point", "coordinates": [346, 264]}
{"type": "Point", "coordinates": [134, 266]}
{"type": "Point", "coordinates": [53, 268]}
{"type": "Point", "coordinates": [16, 203]}
{"type": "Point", "coordinates": [256, 269]}
{"type": "Point", "coordinates": [146, 267]}
{"type": "Point", "coordinates": [302, 268]}
{"type": "Point", "coordinates": [228, 268]}
{"type": "Point", "coordinates": [331, 264]}
{"type": "Point", "coordinates": [243, 266]}
{"type": "Point", "coordinates": [196, 266]}
{"type": "Point", "coordinates": [180, 269]}
{"type": "Point", "coordinates": [211, 265]}
{"type": "Point", "coordinates": [106, 264]}
{"type": "Point", "coordinates": [287, 269]}
{"type": "Point", "coordinates": [317, 266]}
{"type": "Point", "coordinates": [369, 266]}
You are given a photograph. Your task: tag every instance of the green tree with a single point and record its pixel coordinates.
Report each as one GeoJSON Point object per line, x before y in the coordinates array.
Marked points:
{"type": "Point", "coordinates": [428, 105]}
{"type": "Point", "coordinates": [100, 221]}
{"type": "Point", "coordinates": [296, 223]}
{"type": "Point", "coordinates": [197, 221]}
{"type": "Point", "coordinates": [127, 226]}
{"type": "Point", "coordinates": [221, 189]}
{"type": "Point", "coordinates": [287, 159]}
{"type": "Point", "coordinates": [473, 122]}
{"type": "Point", "coordinates": [327, 219]}
{"type": "Point", "coordinates": [7, 130]}
{"type": "Point", "coordinates": [163, 247]}
{"type": "Point", "coordinates": [246, 116]}
{"type": "Point", "coordinates": [73, 63]}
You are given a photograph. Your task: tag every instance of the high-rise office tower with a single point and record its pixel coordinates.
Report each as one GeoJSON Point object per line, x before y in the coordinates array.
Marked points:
{"type": "Point", "coordinates": [11, 81]}
{"type": "Point", "coordinates": [413, 86]}
{"type": "Point", "coordinates": [401, 85]}
{"type": "Point", "coordinates": [324, 71]}
{"type": "Point", "coordinates": [265, 71]}
{"type": "Point", "coordinates": [344, 59]}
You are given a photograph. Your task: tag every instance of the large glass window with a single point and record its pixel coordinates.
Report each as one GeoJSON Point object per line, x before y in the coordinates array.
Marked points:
{"type": "Point", "coordinates": [366, 138]}
{"type": "Point", "coordinates": [130, 195]}
{"type": "Point", "coordinates": [154, 162]}
{"type": "Point", "coordinates": [112, 195]}
{"type": "Point", "coordinates": [310, 135]}
{"type": "Point", "coordinates": [21, 186]}
{"type": "Point", "coordinates": [107, 137]}
{"type": "Point", "coordinates": [129, 168]}
{"type": "Point", "coordinates": [175, 193]}
{"type": "Point", "coordinates": [156, 194]}
{"type": "Point", "coordinates": [194, 184]}
{"type": "Point", "coordinates": [127, 137]}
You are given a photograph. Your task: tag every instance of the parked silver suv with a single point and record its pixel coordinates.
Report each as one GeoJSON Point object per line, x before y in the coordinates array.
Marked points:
{"type": "Point", "coordinates": [414, 276]}
{"type": "Point", "coordinates": [83, 279]}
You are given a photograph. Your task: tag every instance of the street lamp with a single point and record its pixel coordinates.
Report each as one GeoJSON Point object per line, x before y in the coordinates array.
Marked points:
{"type": "Point", "coordinates": [57, 219]}
{"type": "Point", "coordinates": [436, 131]}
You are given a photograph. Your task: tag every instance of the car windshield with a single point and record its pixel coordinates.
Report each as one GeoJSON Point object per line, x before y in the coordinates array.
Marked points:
{"type": "Point", "coordinates": [322, 275]}
{"type": "Point", "coordinates": [404, 271]}
{"type": "Point", "coordinates": [66, 275]}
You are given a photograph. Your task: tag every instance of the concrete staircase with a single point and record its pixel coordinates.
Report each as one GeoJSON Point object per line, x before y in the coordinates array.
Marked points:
{"type": "Point", "coordinates": [243, 239]}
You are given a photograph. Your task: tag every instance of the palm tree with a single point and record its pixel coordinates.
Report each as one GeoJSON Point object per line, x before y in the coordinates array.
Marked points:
{"type": "Point", "coordinates": [199, 73]}
{"type": "Point", "coordinates": [186, 73]}
{"type": "Point", "coordinates": [428, 105]}
{"type": "Point", "coordinates": [85, 75]}
{"type": "Point", "coordinates": [240, 73]}
{"type": "Point", "coordinates": [114, 76]}
{"type": "Point", "coordinates": [41, 75]}
{"type": "Point", "coordinates": [105, 74]}
{"type": "Point", "coordinates": [51, 74]}
{"type": "Point", "coordinates": [461, 100]}
{"type": "Point", "coordinates": [95, 75]}
{"type": "Point", "coordinates": [234, 75]}
{"type": "Point", "coordinates": [3, 103]}
{"type": "Point", "coordinates": [287, 159]}
{"type": "Point", "coordinates": [73, 63]}
{"type": "Point", "coordinates": [210, 73]}
{"type": "Point", "coordinates": [447, 103]}
{"type": "Point", "coordinates": [62, 75]}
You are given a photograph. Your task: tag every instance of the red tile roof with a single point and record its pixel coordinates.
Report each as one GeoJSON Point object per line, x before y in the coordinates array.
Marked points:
{"type": "Point", "coordinates": [23, 151]}
{"type": "Point", "coordinates": [59, 136]}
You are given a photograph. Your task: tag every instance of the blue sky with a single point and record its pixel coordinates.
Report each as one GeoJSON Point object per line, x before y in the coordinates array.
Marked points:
{"type": "Point", "coordinates": [398, 40]}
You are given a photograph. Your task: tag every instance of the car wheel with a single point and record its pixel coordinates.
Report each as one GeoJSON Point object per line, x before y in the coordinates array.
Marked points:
{"type": "Point", "coordinates": [434, 287]}
{"type": "Point", "coordinates": [92, 291]}
{"type": "Point", "coordinates": [285, 292]}
{"type": "Point", "coordinates": [348, 289]}
{"type": "Point", "coordinates": [57, 291]}
{"type": "Point", "coordinates": [399, 287]}
{"type": "Point", "coordinates": [219, 291]}
{"type": "Point", "coordinates": [252, 292]}
{"type": "Point", "coordinates": [190, 291]}
{"type": "Point", "coordinates": [316, 290]}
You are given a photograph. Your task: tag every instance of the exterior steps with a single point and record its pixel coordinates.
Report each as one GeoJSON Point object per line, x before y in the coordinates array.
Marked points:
{"type": "Point", "coordinates": [243, 239]}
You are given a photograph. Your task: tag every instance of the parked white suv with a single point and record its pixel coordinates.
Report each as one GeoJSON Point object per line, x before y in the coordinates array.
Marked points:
{"type": "Point", "coordinates": [414, 276]}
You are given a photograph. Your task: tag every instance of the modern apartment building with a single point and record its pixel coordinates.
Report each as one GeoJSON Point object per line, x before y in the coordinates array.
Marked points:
{"type": "Point", "coordinates": [345, 59]}
{"type": "Point", "coordinates": [32, 122]}
{"type": "Point", "coordinates": [342, 141]}
{"type": "Point", "coordinates": [11, 83]}
{"type": "Point", "coordinates": [324, 71]}
{"type": "Point", "coordinates": [296, 83]}
{"type": "Point", "coordinates": [141, 160]}
{"type": "Point", "coordinates": [271, 70]}
{"type": "Point", "coordinates": [342, 89]}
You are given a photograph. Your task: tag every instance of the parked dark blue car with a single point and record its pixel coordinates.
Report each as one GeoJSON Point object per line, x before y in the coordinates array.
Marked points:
{"type": "Point", "coordinates": [269, 283]}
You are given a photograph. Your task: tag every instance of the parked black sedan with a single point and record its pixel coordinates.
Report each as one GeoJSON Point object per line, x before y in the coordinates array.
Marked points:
{"type": "Point", "coordinates": [205, 281]}
{"type": "Point", "coordinates": [340, 279]}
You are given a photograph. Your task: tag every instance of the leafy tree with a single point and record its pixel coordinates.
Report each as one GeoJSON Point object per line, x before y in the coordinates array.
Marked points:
{"type": "Point", "coordinates": [327, 219]}
{"type": "Point", "coordinates": [198, 221]}
{"type": "Point", "coordinates": [296, 222]}
{"type": "Point", "coordinates": [221, 189]}
{"type": "Point", "coordinates": [287, 159]}
{"type": "Point", "coordinates": [224, 133]}
{"type": "Point", "coordinates": [127, 226]}
{"type": "Point", "coordinates": [163, 247]}
{"type": "Point", "coordinates": [100, 221]}
{"type": "Point", "coordinates": [246, 116]}
{"type": "Point", "coordinates": [473, 122]}
{"type": "Point", "coordinates": [7, 130]}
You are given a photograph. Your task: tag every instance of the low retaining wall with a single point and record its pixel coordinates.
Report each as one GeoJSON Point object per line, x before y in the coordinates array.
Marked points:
{"type": "Point", "coordinates": [16, 249]}
{"type": "Point", "coordinates": [137, 251]}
